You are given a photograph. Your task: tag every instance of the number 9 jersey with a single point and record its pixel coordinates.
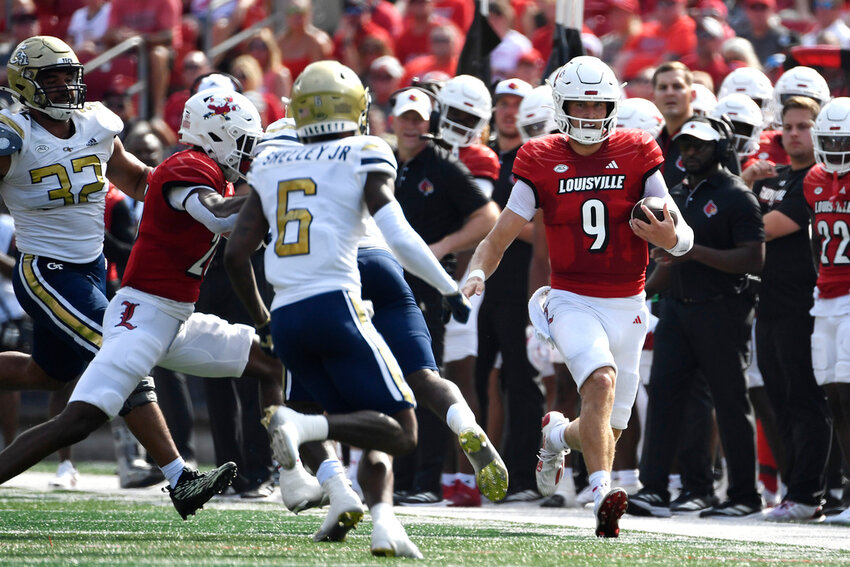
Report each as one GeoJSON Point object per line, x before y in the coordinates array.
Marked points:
{"type": "Point", "coordinates": [586, 202]}
{"type": "Point", "coordinates": [312, 198]}
{"type": "Point", "coordinates": [56, 187]}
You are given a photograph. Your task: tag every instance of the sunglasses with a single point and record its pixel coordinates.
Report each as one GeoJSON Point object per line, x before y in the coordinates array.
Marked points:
{"type": "Point", "coordinates": [24, 19]}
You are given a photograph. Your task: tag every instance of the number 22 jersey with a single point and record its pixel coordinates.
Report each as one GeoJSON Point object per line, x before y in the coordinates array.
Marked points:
{"type": "Point", "coordinates": [587, 203]}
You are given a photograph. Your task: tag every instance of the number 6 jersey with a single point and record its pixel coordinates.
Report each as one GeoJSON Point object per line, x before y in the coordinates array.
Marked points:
{"type": "Point", "coordinates": [587, 202]}
{"type": "Point", "coordinates": [312, 198]}
{"type": "Point", "coordinates": [56, 187]}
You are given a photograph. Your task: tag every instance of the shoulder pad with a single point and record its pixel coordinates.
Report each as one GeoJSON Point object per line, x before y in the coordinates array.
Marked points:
{"type": "Point", "coordinates": [11, 139]}
{"type": "Point", "coordinates": [104, 116]}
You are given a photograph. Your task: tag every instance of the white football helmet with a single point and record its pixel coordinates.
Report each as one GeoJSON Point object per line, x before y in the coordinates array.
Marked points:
{"type": "Point", "coordinates": [747, 121]}
{"type": "Point", "coordinates": [465, 108]}
{"type": "Point", "coordinates": [641, 114]}
{"type": "Point", "coordinates": [831, 136]}
{"type": "Point", "coordinates": [536, 116]}
{"type": "Point", "coordinates": [41, 54]}
{"type": "Point", "coordinates": [588, 79]}
{"type": "Point", "coordinates": [800, 81]}
{"type": "Point", "coordinates": [226, 126]}
{"type": "Point", "coordinates": [704, 101]}
{"type": "Point", "coordinates": [753, 83]}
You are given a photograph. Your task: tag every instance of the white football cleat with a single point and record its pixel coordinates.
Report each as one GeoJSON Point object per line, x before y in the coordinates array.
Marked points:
{"type": "Point", "coordinates": [390, 540]}
{"type": "Point", "coordinates": [789, 511]}
{"type": "Point", "coordinates": [66, 477]}
{"type": "Point", "coordinates": [608, 511]}
{"type": "Point", "coordinates": [285, 438]}
{"type": "Point", "coordinates": [300, 490]}
{"type": "Point", "coordinates": [550, 462]}
{"type": "Point", "coordinates": [345, 512]}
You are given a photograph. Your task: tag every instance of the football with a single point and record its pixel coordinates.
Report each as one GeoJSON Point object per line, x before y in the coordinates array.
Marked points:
{"type": "Point", "coordinates": [656, 206]}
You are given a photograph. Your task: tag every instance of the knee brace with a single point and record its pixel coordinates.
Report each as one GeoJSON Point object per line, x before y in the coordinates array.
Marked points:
{"type": "Point", "coordinates": [145, 393]}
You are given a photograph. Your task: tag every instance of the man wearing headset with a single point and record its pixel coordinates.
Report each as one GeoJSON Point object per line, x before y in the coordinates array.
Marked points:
{"type": "Point", "coordinates": [705, 325]}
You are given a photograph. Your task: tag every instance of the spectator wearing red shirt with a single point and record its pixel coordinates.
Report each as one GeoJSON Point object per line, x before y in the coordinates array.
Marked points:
{"type": "Point", "coordinates": [460, 12]}
{"type": "Point", "coordinates": [158, 22]}
{"type": "Point", "coordinates": [354, 28]}
{"type": "Point", "coordinates": [419, 20]}
{"type": "Point", "coordinates": [670, 35]}
{"type": "Point", "coordinates": [707, 56]}
{"type": "Point", "coordinates": [194, 64]}
{"type": "Point", "coordinates": [444, 47]}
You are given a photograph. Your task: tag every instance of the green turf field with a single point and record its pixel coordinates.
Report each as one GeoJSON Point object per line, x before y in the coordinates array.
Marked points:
{"type": "Point", "coordinates": [78, 528]}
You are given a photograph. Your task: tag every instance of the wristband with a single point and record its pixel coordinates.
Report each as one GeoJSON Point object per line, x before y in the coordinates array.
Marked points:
{"type": "Point", "coordinates": [476, 273]}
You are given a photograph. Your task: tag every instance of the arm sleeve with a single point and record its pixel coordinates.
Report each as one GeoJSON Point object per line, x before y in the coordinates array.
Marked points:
{"type": "Point", "coordinates": [206, 217]}
{"type": "Point", "coordinates": [522, 200]}
{"type": "Point", "coordinates": [411, 250]}
{"type": "Point", "coordinates": [656, 187]}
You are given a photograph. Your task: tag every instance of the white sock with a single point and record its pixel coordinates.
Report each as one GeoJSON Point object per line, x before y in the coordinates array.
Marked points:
{"type": "Point", "coordinates": [312, 427]}
{"type": "Point", "coordinates": [467, 479]}
{"type": "Point", "coordinates": [600, 484]}
{"type": "Point", "coordinates": [674, 482]}
{"type": "Point", "coordinates": [173, 470]}
{"type": "Point", "coordinates": [329, 469]}
{"type": "Point", "coordinates": [556, 437]}
{"type": "Point", "coordinates": [459, 417]}
{"type": "Point", "coordinates": [382, 512]}
{"type": "Point", "coordinates": [627, 476]}
{"type": "Point", "coordinates": [447, 479]}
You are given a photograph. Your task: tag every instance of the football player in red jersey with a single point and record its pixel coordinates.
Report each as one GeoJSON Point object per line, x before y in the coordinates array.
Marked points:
{"type": "Point", "coordinates": [827, 190]}
{"type": "Point", "coordinates": [586, 181]}
{"type": "Point", "coordinates": [150, 321]}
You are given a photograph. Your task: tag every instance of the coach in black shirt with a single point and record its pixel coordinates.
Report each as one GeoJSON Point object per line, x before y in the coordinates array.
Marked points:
{"type": "Point", "coordinates": [705, 323]}
{"type": "Point", "coordinates": [784, 327]}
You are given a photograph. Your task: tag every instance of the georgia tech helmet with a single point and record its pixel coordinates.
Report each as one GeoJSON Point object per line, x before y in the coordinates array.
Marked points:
{"type": "Point", "coordinates": [641, 114]}
{"type": "Point", "coordinates": [536, 116]}
{"type": "Point", "coordinates": [30, 60]}
{"type": "Point", "coordinates": [747, 121]}
{"type": "Point", "coordinates": [831, 136]}
{"type": "Point", "coordinates": [465, 108]}
{"type": "Point", "coordinates": [226, 126]}
{"type": "Point", "coordinates": [588, 79]}
{"type": "Point", "coordinates": [328, 98]}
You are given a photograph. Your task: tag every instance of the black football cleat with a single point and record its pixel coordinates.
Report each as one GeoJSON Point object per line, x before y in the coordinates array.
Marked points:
{"type": "Point", "coordinates": [194, 488]}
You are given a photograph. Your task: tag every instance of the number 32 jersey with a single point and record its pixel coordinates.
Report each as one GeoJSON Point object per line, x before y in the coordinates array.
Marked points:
{"type": "Point", "coordinates": [312, 198]}
{"type": "Point", "coordinates": [56, 187]}
{"type": "Point", "coordinates": [587, 203]}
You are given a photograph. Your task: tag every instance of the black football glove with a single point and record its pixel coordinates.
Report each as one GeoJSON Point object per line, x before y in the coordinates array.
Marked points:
{"type": "Point", "coordinates": [265, 333]}
{"type": "Point", "coordinates": [456, 305]}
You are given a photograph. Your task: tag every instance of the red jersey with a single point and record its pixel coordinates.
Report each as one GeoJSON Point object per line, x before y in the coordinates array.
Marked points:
{"type": "Point", "coordinates": [481, 161]}
{"type": "Point", "coordinates": [586, 203]}
{"type": "Point", "coordinates": [829, 198]}
{"type": "Point", "coordinates": [173, 250]}
{"type": "Point", "coordinates": [770, 148]}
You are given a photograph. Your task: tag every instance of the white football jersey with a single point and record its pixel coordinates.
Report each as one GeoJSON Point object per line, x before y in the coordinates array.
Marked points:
{"type": "Point", "coordinates": [312, 198]}
{"type": "Point", "coordinates": [55, 188]}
